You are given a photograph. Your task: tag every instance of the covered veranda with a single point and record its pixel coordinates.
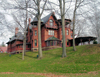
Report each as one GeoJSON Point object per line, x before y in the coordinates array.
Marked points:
{"type": "Point", "coordinates": [82, 40]}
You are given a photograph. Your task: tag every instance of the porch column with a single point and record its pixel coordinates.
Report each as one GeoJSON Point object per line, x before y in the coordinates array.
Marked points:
{"type": "Point", "coordinates": [89, 41]}
{"type": "Point", "coordinates": [56, 43]}
{"type": "Point", "coordinates": [47, 43]}
{"type": "Point", "coordinates": [81, 41]}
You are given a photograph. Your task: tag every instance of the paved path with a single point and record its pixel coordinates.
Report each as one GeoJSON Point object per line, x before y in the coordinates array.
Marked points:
{"type": "Point", "coordinates": [42, 74]}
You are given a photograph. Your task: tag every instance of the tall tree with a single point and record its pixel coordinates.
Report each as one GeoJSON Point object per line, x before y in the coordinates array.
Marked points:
{"type": "Point", "coordinates": [77, 5]}
{"type": "Point", "coordinates": [62, 11]}
{"type": "Point", "coordinates": [21, 19]}
{"type": "Point", "coordinates": [38, 14]}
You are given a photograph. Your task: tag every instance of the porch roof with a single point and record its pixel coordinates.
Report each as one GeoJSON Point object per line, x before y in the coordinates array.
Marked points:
{"type": "Point", "coordinates": [52, 38]}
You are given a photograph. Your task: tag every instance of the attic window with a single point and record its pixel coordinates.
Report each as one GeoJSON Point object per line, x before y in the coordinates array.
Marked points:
{"type": "Point", "coordinates": [51, 22]}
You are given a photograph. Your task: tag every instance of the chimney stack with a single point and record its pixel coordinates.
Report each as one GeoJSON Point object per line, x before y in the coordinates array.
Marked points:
{"type": "Point", "coordinates": [54, 13]}
{"type": "Point", "coordinates": [16, 30]}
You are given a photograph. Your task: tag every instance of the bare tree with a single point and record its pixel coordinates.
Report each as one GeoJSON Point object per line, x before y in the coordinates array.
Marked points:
{"type": "Point", "coordinates": [39, 9]}
{"type": "Point", "coordinates": [77, 5]}
{"type": "Point", "coordinates": [80, 27]}
{"type": "Point", "coordinates": [21, 19]}
{"type": "Point", "coordinates": [62, 11]}
{"type": "Point", "coordinates": [94, 18]}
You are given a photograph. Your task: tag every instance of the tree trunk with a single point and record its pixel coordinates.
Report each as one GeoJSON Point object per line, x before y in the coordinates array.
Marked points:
{"type": "Point", "coordinates": [63, 34]}
{"type": "Point", "coordinates": [62, 10]}
{"type": "Point", "coordinates": [39, 39]}
{"type": "Point", "coordinates": [24, 46]}
{"type": "Point", "coordinates": [74, 16]}
{"type": "Point", "coordinates": [24, 41]}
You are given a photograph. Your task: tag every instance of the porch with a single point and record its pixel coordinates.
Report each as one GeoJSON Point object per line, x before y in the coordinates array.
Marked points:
{"type": "Point", "coordinates": [53, 41]}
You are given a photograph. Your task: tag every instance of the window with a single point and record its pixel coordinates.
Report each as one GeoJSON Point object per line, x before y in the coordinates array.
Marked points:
{"type": "Point", "coordinates": [35, 32]}
{"type": "Point", "coordinates": [35, 42]}
{"type": "Point", "coordinates": [67, 32]}
{"type": "Point", "coordinates": [29, 46]}
{"type": "Point", "coordinates": [50, 32]}
{"type": "Point", "coordinates": [51, 43]}
{"type": "Point", "coordinates": [55, 42]}
{"type": "Point", "coordinates": [51, 22]}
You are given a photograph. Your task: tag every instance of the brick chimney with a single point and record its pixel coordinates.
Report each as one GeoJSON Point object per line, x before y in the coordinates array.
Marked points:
{"type": "Point", "coordinates": [16, 30]}
{"type": "Point", "coordinates": [29, 21]}
{"type": "Point", "coordinates": [53, 13]}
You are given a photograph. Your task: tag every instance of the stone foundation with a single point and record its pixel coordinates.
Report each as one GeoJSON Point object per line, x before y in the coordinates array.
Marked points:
{"type": "Point", "coordinates": [34, 49]}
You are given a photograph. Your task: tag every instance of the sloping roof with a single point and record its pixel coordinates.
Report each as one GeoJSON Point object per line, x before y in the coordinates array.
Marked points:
{"type": "Point", "coordinates": [52, 38]}
{"type": "Point", "coordinates": [35, 19]}
{"type": "Point", "coordinates": [3, 49]}
{"type": "Point", "coordinates": [46, 18]}
{"type": "Point", "coordinates": [18, 36]}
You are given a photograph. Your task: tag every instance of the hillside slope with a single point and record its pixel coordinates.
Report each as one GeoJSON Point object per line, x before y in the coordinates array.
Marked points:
{"type": "Point", "coordinates": [85, 59]}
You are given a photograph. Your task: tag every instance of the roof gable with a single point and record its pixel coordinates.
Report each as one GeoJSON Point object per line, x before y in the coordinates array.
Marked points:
{"type": "Point", "coordinates": [18, 36]}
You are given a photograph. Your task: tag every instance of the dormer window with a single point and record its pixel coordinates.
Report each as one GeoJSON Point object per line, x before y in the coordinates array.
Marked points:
{"type": "Point", "coordinates": [51, 22]}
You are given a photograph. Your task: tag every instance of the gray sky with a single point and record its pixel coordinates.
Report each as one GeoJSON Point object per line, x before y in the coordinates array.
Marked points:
{"type": "Point", "coordinates": [84, 9]}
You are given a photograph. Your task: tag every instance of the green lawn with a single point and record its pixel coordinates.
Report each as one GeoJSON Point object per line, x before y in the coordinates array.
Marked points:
{"type": "Point", "coordinates": [84, 60]}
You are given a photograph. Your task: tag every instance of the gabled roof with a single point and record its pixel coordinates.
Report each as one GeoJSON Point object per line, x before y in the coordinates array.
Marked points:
{"type": "Point", "coordinates": [45, 19]}
{"type": "Point", "coordinates": [18, 36]}
{"type": "Point", "coordinates": [52, 38]}
{"type": "Point", "coordinates": [35, 19]}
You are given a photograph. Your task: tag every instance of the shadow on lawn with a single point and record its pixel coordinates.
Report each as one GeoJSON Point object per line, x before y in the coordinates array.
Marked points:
{"type": "Point", "coordinates": [19, 57]}
{"type": "Point", "coordinates": [31, 56]}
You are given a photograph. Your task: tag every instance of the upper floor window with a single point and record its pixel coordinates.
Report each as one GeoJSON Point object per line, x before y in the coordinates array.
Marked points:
{"type": "Point", "coordinates": [51, 22]}
{"type": "Point", "coordinates": [35, 32]}
{"type": "Point", "coordinates": [67, 32]}
{"type": "Point", "coordinates": [35, 42]}
{"type": "Point", "coordinates": [50, 32]}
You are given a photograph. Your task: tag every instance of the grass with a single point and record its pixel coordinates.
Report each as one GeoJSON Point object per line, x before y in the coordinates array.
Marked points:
{"type": "Point", "coordinates": [84, 60]}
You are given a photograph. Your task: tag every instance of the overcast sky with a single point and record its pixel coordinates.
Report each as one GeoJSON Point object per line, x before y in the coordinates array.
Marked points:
{"type": "Point", "coordinates": [7, 34]}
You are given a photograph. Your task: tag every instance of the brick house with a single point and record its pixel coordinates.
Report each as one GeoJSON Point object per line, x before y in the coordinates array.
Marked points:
{"type": "Point", "coordinates": [15, 44]}
{"type": "Point", "coordinates": [51, 34]}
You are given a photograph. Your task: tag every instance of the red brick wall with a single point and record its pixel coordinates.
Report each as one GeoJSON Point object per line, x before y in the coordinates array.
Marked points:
{"type": "Point", "coordinates": [34, 37]}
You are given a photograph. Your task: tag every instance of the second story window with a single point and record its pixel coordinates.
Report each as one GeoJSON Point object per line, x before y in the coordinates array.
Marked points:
{"type": "Point", "coordinates": [67, 32]}
{"type": "Point", "coordinates": [35, 32]}
{"type": "Point", "coordinates": [51, 22]}
{"type": "Point", "coordinates": [35, 42]}
{"type": "Point", "coordinates": [50, 32]}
